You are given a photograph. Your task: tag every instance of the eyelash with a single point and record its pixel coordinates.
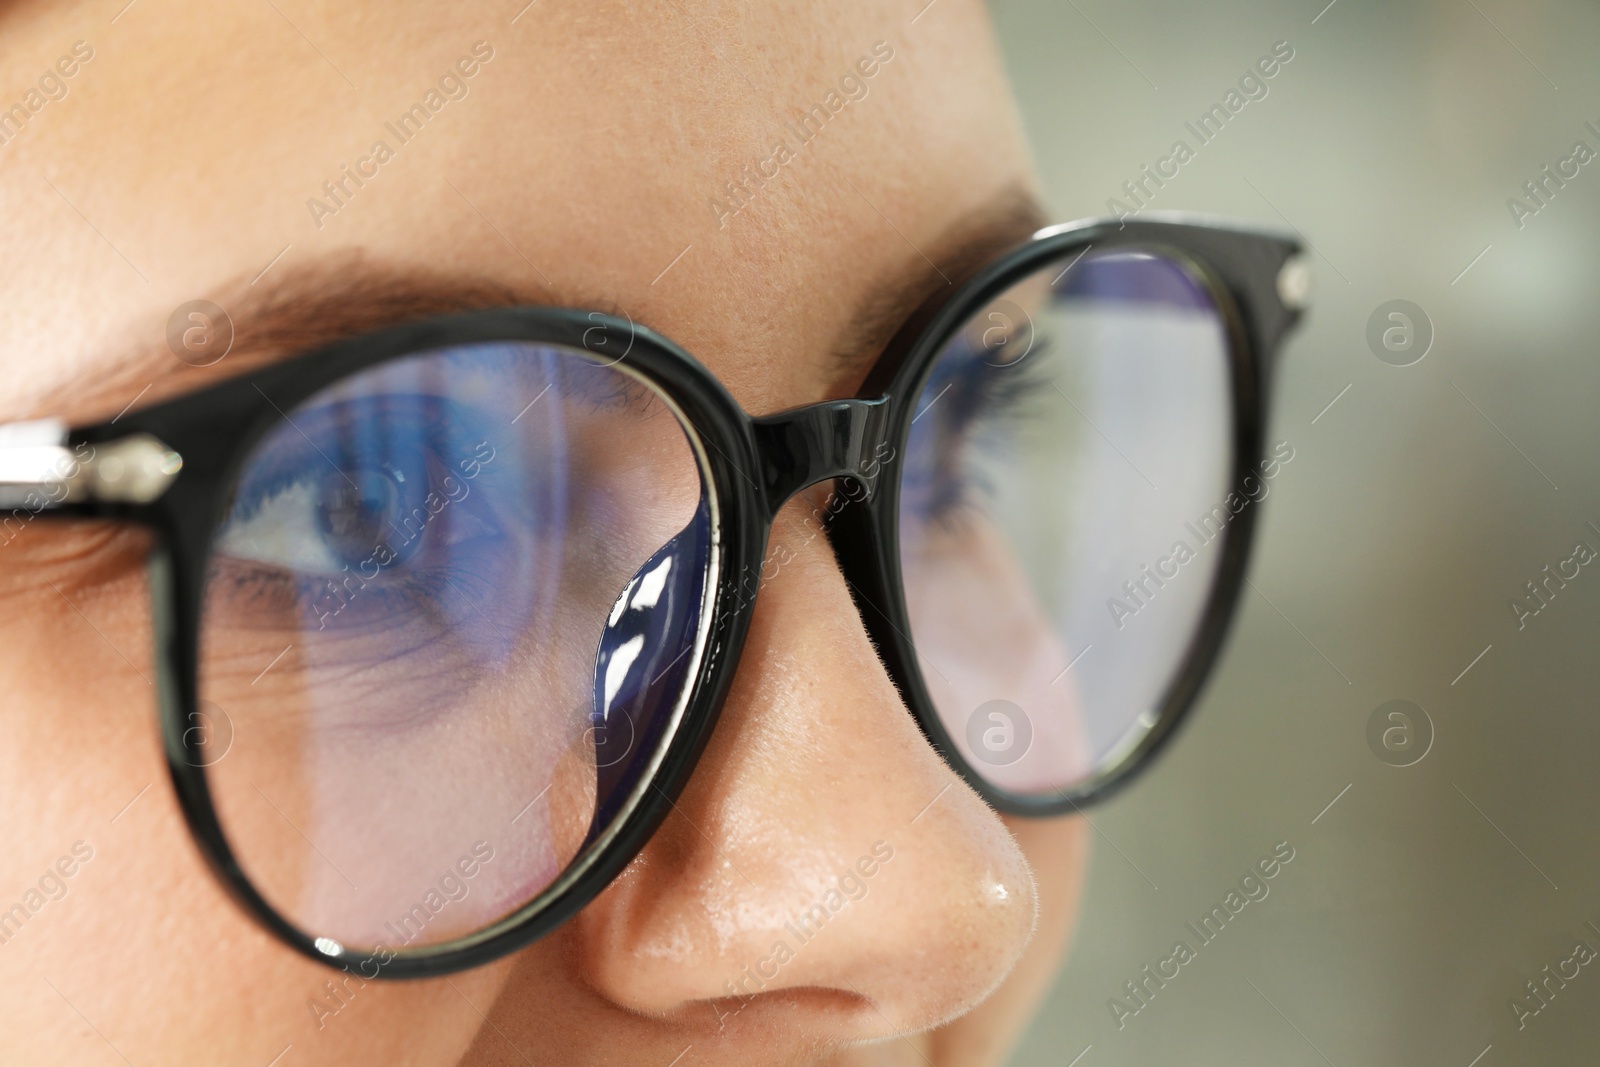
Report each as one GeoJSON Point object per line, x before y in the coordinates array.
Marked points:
{"type": "Point", "coordinates": [429, 419]}
{"type": "Point", "coordinates": [984, 403]}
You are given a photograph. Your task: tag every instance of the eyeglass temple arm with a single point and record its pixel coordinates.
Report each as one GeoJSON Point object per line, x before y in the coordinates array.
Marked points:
{"type": "Point", "coordinates": [40, 470]}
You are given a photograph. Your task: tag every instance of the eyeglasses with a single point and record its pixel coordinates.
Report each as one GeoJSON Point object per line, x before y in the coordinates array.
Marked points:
{"type": "Point", "coordinates": [445, 614]}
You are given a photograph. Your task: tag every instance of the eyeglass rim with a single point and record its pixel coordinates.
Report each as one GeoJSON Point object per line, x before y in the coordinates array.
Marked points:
{"type": "Point", "coordinates": [1242, 269]}
{"type": "Point", "coordinates": [1244, 263]}
{"type": "Point", "coordinates": [187, 517]}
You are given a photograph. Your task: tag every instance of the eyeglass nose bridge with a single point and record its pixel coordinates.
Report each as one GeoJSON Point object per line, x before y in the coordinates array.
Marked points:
{"type": "Point", "coordinates": [806, 445]}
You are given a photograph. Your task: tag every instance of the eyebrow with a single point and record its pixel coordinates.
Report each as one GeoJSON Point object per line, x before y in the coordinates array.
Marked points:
{"type": "Point", "coordinates": [341, 297]}
{"type": "Point", "coordinates": [963, 247]}
{"type": "Point", "coordinates": [350, 295]}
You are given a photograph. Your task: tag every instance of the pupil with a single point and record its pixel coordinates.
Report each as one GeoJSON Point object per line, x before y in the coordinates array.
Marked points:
{"type": "Point", "coordinates": [355, 513]}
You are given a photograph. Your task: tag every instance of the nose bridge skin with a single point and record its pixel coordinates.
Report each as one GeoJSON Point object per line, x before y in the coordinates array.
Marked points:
{"type": "Point", "coordinates": [750, 911]}
{"type": "Point", "coordinates": [818, 442]}
{"type": "Point", "coordinates": [823, 868]}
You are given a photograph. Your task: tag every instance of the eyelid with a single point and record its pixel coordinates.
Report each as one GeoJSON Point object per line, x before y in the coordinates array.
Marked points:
{"type": "Point", "coordinates": [284, 465]}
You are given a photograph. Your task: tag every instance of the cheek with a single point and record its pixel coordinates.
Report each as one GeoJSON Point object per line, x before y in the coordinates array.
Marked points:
{"type": "Point", "coordinates": [977, 618]}
{"type": "Point", "coordinates": [181, 974]}
{"type": "Point", "coordinates": [1057, 850]}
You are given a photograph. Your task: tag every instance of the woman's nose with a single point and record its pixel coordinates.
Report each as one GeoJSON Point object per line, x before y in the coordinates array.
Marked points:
{"type": "Point", "coordinates": [823, 860]}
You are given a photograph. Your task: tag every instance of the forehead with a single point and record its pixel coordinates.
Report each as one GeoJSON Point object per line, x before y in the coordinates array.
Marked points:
{"type": "Point", "coordinates": [735, 177]}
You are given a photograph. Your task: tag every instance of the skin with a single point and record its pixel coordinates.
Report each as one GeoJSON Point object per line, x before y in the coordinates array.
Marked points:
{"type": "Point", "coordinates": [579, 166]}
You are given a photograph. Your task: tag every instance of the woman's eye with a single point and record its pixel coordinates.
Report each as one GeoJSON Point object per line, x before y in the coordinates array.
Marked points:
{"type": "Point", "coordinates": [969, 408]}
{"type": "Point", "coordinates": [279, 530]}
{"type": "Point", "coordinates": [322, 522]}
{"type": "Point", "coordinates": [356, 513]}
{"type": "Point", "coordinates": [328, 509]}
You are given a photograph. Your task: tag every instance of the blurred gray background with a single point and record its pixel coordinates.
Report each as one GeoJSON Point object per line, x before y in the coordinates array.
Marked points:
{"type": "Point", "coordinates": [1416, 509]}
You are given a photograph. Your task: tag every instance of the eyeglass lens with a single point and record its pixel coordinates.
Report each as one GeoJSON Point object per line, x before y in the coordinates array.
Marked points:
{"type": "Point", "coordinates": [1061, 508]}
{"type": "Point", "coordinates": [448, 616]}
{"type": "Point", "coordinates": [446, 622]}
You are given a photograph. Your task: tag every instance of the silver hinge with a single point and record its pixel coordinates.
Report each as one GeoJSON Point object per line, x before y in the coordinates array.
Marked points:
{"type": "Point", "coordinates": [1294, 282]}
{"type": "Point", "coordinates": [38, 469]}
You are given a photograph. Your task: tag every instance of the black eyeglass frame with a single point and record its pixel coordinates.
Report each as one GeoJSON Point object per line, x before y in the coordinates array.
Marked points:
{"type": "Point", "coordinates": [750, 467]}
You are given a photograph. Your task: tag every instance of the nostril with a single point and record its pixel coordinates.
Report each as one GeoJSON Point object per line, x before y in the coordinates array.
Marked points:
{"type": "Point", "coordinates": [643, 662]}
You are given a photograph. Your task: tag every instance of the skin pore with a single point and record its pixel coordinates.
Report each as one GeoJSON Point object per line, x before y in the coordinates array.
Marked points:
{"type": "Point", "coordinates": [578, 166]}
